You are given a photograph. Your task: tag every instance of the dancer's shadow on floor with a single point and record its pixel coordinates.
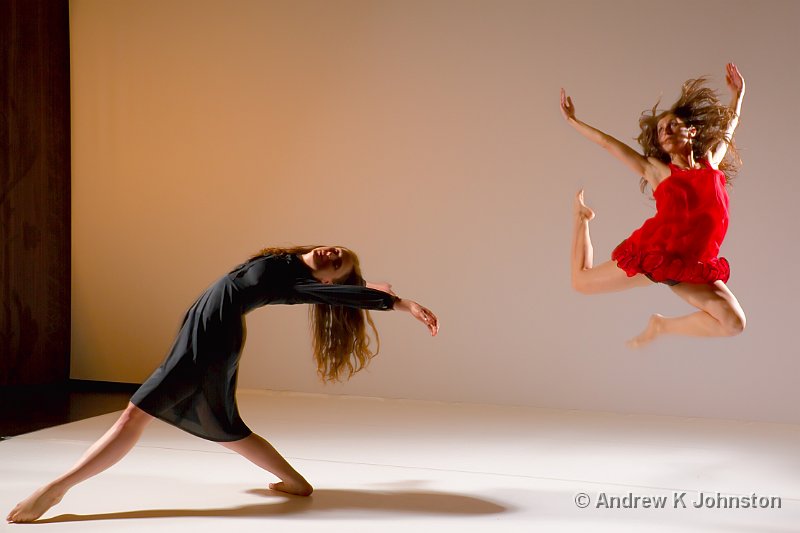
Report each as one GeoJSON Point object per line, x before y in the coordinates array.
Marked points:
{"type": "Point", "coordinates": [324, 503]}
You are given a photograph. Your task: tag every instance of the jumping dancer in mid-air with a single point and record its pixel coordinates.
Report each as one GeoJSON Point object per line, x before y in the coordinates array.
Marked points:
{"type": "Point", "coordinates": [688, 157]}
{"type": "Point", "coordinates": [195, 387]}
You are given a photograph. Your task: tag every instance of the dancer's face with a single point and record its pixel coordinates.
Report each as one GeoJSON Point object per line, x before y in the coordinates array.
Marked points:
{"type": "Point", "coordinates": [673, 134]}
{"type": "Point", "coordinates": [331, 263]}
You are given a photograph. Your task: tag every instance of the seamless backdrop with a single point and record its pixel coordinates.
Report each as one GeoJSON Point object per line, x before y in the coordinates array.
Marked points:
{"type": "Point", "coordinates": [426, 135]}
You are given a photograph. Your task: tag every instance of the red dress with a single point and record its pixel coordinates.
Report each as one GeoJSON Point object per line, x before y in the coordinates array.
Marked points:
{"type": "Point", "coordinates": [681, 242]}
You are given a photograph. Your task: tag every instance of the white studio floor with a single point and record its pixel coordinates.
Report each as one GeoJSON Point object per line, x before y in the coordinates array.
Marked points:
{"type": "Point", "coordinates": [397, 465]}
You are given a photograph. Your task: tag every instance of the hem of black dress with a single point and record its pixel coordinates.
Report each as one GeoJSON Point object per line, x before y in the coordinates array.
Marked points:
{"type": "Point", "coordinates": [193, 433]}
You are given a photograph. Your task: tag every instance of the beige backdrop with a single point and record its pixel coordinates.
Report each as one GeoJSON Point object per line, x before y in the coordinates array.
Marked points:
{"type": "Point", "coordinates": [426, 135]}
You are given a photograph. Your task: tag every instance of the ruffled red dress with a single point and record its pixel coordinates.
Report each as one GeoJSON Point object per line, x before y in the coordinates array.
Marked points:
{"type": "Point", "coordinates": [681, 242]}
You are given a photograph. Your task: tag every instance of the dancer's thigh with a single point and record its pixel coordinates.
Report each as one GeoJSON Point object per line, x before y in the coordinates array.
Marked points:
{"type": "Point", "coordinates": [607, 277]}
{"type": "Point", "coordinates": [715, 299]}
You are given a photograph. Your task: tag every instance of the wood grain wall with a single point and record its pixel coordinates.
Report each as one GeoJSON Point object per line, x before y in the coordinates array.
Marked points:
{"type": "Point", "coordinates": [34, 192]}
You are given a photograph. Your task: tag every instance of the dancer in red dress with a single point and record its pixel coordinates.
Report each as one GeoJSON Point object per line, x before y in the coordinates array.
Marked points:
{"type": "Point", "coordinates": [688, 156]}
{"type": "Point", "coordinates": [681, 243]}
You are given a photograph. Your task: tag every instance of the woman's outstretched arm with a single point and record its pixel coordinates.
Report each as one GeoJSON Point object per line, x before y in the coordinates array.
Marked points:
{"type": "Point", "coordinates": [381, 286]}
{"type": "Point", "coordinates": [362, 298]}
{"type": "Point", "coordinates": [624, 153]}
{"type": "Point", "coordinates": [421, 313]}
{"type": "Point", "coordinates": [736, 85]}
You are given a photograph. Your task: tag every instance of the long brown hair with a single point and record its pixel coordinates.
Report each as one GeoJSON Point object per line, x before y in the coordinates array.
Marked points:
{"type": "Point", "coordinates": [698, 106]}
{"type": "Point", "coordinates": [339, 335]}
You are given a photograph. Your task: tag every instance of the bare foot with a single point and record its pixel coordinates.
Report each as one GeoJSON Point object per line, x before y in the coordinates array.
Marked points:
{"type": "Point", "coordinates": [581, 211]}
{"type": "Point", "coordinates": [654, 329]}
{"type": "Point", "coordinates": [298, 489]}
{"type": "Point", "coordinates": [35, 505]}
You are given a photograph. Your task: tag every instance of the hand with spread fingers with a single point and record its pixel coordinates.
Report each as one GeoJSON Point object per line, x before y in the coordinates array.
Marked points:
{"type": "Point", "coordinates": [734, 79]}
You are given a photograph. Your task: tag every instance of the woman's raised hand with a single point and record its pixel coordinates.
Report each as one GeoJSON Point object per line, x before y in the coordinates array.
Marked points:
{"type": "Point", "coordinates": [734, 79]}
{"type": "Point", "coordinates": [567, 108]}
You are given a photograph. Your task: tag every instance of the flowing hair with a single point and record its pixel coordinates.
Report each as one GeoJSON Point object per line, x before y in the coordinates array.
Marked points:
{"type": "Point", "coordinates": [339, 335]}
{"type": "Point", "coordinates": [698, 106]}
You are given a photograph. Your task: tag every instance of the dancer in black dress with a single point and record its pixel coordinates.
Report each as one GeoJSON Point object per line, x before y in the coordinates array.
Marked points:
{"type": "Point", "coordinates": [194, 388]}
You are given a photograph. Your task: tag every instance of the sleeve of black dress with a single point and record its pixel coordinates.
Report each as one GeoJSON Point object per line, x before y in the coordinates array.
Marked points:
{"type": "Point", "coordinates": [344, 295]}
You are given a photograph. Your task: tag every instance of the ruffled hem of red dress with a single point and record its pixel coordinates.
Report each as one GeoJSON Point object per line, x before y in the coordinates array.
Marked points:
{"type": "Point", "coordinates": [661, 266]}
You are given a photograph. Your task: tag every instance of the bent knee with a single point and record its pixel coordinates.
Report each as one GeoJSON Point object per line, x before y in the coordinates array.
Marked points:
{"type": "Point", "coordinates": [732, 320]}
{"type": "Point", "coordinates": [133, 416]}
{"type": "Point", "coordinates": [735, 323]}
{"type": "Point", "coordinates": [581, 285]}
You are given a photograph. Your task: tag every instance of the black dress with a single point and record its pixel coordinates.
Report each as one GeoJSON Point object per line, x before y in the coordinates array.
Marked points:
{"type": "Point", "coordinates": [194, 389]}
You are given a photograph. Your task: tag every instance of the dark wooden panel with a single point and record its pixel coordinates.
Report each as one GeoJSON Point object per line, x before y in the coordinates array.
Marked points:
{"type": "Point", "coordinates": [33, 407]}
{"type": "Point", "coordinates": [34, 192]}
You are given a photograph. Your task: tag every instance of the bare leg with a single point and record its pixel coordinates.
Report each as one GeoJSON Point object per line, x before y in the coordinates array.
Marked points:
{"type": "Point", "coordinates": [261, 453]}
{"type": "Point", "coordinates": [586, 278]}
{"type": "Point", "coordinates": [109, 449]}
{"type": "Point", "coordinates": [582, 251]}
{"type": "Point", "coordinates": [720, 315]}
